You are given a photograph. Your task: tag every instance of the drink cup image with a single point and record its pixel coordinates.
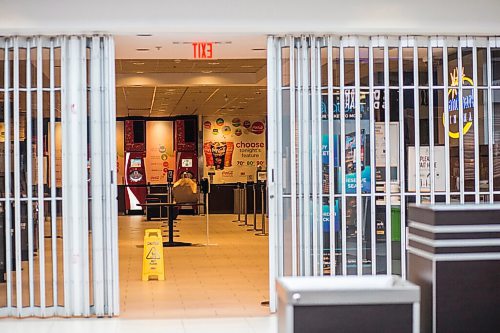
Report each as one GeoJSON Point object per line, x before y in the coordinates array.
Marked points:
{"type": "Point", "coordinates": [219, 154]}
{"type": "Point", "coordinates": [207, 149]}
{"type": "Point", "coordinates": [228, 160]}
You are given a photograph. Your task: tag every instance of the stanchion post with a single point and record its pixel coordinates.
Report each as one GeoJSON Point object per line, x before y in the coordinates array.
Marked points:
{"type": "Point", "coordinates": [254, 225]}
{"type": "Point", "coordinates": [237, 195]}
{"type": "Point", "coordinates": [263, 211]}
{"type": "Point", "coordinates": [244, 205]}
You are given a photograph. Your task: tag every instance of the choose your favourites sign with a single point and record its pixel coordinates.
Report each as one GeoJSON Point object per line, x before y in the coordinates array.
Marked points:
{"type": "Point", "coordinates": [233, 148]}
{"type": "Point", "coordinates": [454, 104]}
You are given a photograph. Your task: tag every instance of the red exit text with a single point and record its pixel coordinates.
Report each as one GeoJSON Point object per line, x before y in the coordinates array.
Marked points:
{"type": "Point", "coordinates": [202, 50]}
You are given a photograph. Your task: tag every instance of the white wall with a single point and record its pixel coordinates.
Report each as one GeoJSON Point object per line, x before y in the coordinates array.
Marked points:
{"type": "Point", "coordinates": [255, 16]}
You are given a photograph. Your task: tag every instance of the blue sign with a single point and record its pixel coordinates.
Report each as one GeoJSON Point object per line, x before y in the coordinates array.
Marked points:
{"type": "Point", "coordinates": [326, 217]}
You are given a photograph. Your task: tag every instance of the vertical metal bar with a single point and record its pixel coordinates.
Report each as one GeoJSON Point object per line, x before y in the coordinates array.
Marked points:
{"type": "Point", "coordinates": [8, 239]}
{"type": "Point", "coordinates": [387, 131]}
{"type": "Point", "coordinates": [29, 175]}
{"type": "Point", "coordinates": [272, 71]}
{"type": "Point", "coordinates": [306, 157]}
{"type": "Point", "coordinates": [40, 169]}
{"type": "Point", "coordinates": [97, 184]}
{"type": "Point", "coordinates": [293, 156]}
{"type": "Point", "coordinates": [17, 181]}
{"type": "Point", "coordinates": [300, 129]}
{"type": "Point", "coordinates": [83, 227]}
{"type": "Point", "coordinates": [331, 167]}
{"type": "Point", "coordinates": [314, 150]}
{"type": "Point", "coordinates": [490, 123]}
{"type": "Point", "coordinates": [359, 214]}
{"type": "Point", "coordinates": [476, 122]}
{"type": "Point", "coordinates": [402, 157]}
{"type": "Point", "coordinates": [342, 154]}
{"type": "Point", "coordinates": [279, 154]}
{"type": "Point", "coordinates": [461, 121]}
{"type": "Point", "coordinates": [53, 193]}
{"type": "Point", "coordinates": [373, 236]}
{"type": "Point", "coordinates": [109, 56]}
{"type": "Point", "coordinates": [432, 168]}
{"type": "Point", "coordinates": [110, 219]}
{"type": "Point", "coordinates": [446, 115]}
{"type": "Point", "coordinates": [319, 159]}
{"type": "Point", "coordinates": [416, 121]}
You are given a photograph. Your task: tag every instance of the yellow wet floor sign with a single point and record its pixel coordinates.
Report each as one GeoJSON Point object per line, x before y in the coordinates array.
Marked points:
{"type": "Point", "coordinates": [152, 262]}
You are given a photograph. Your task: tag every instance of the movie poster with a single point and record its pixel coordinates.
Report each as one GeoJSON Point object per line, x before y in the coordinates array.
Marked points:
{"type": "Point", "coordinates": [233, 147]}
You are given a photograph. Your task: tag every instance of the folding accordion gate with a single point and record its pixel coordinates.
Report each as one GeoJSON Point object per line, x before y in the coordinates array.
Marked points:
{"type": "Point", "coordinates": [359, 127]}
{"type": "Point", "coordinates": [58, 216]}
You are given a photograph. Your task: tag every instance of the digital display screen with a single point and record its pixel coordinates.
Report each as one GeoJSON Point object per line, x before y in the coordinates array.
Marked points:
{"type": "Point", "coordinates": [135, 163]}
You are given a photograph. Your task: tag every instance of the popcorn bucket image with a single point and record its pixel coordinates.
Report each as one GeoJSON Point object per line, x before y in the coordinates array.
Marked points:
{"type": "Point", "coordinates": [218, 150]}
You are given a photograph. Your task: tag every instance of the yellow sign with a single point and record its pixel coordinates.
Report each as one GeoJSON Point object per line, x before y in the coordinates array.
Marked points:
{"type": "Point", "coordinates": [453, 104]}
{"type": "Point", "coordinates": [152, 262]}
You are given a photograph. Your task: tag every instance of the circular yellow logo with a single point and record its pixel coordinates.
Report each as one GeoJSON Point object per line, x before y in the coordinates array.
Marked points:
{"type": "Point", "coordinates": [454, 106]}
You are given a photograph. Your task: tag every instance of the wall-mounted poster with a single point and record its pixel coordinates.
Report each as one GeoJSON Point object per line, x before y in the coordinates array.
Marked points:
{"type": "Point", "coordinates": [234, 147]}
{"type": "Point", "coordinates": [120, 152]}
{"type": "Point", "coordinates": [425, 170]}
{"type": "Point", "coordinates": [159, 150]}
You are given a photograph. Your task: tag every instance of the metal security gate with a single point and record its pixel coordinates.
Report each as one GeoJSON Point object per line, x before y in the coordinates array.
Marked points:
{"type": "Point", "coordinates": [58, 216]}
{"type": "Point", "coordinates": [359, 127]}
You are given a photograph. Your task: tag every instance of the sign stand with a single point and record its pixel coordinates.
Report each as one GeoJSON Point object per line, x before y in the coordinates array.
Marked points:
{"type": "Point", "coordinates": [152, 263]}
{"type": "Point", "coordinates": [207, 195]}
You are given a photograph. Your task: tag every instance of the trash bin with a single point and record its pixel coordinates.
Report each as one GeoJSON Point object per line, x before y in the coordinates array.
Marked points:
{"type": "Point", "coordinates": [347, 304]}
{"type": "Point", "coordinates": [454, 256]}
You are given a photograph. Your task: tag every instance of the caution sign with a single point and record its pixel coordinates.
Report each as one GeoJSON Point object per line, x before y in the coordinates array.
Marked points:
{"type": "Point", "coordinates": [152, 263]}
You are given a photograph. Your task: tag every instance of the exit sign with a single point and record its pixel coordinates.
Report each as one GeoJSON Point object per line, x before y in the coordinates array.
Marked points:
{"type": "Point", "coordinates": [202, 50]}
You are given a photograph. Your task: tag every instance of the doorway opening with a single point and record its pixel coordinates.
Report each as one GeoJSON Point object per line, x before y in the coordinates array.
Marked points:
{"type": "Point", "coordinates": [181, 117]}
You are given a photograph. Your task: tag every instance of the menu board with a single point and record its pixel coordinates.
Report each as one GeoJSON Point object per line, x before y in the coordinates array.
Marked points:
{"type": "Point", "coordinates": [233, 147]}
{"type": "Point", "coordinates": [159, 151]}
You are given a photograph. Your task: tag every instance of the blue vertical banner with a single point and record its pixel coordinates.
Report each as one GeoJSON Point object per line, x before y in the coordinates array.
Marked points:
{"type": "Point", "coordinates": [326, 216]}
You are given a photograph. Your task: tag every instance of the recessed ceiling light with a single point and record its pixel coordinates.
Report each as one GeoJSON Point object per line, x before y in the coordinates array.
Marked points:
{"type": "Point", "coordinates": [177, 61]}
{"type": "Point", "coordinates": [142, 50]}
{"type": "Point", "coordinates": [140, 72]}
{"type": "Point", "coordinates": [214, 63]}
{"type": "Point", "coordinates": [206, 72]}
{"type": "Point", "coordinates": [144, 35]}
{"type": "Point", "coordinates": [246, 66]}
{"type": "Point", "coordinates": [138, 63]}
{"type": "Point", "coordinates": [162, 110]}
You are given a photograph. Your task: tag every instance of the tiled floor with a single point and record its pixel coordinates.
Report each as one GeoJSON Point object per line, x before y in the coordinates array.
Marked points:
{"type": "Point", "coordinates": [267, 324]}
{"type": "Point", "coordinates": [223, 280]}
{"type": "Point", "coordinates": [228, 279]}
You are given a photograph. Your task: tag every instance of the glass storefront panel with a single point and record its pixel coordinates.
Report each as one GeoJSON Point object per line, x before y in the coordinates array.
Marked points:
{"type": "Point", "coordinates": [422, 126]}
